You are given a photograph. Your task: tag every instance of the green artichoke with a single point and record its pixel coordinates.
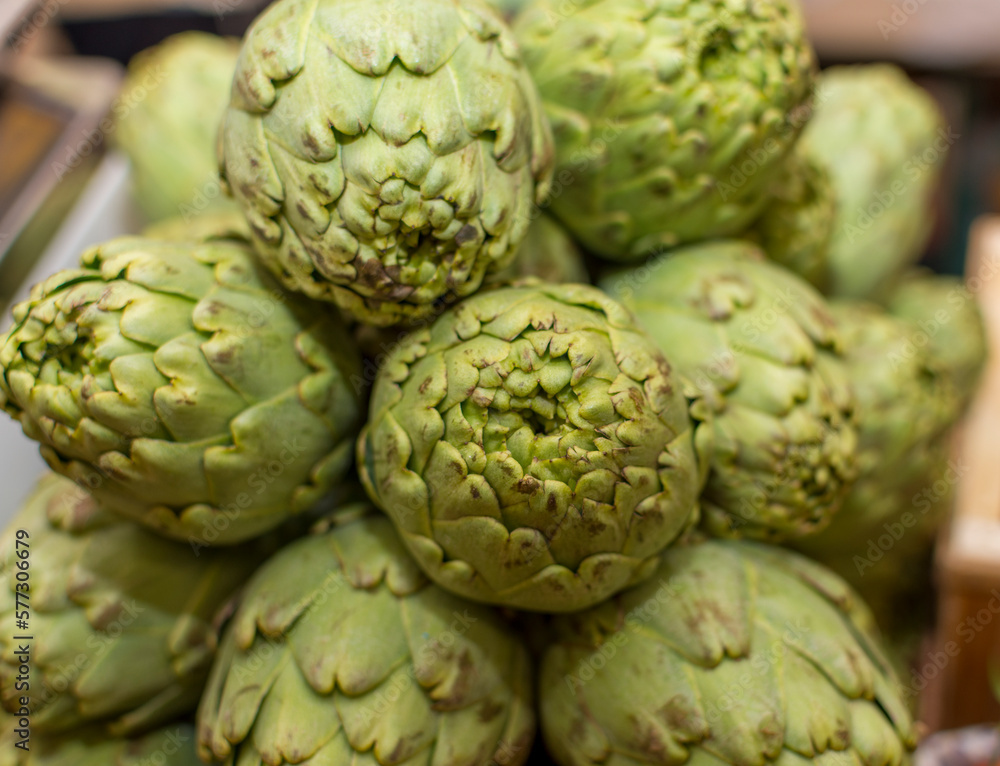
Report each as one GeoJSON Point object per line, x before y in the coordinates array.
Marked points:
{"type": "Point", "coordinates": [734, 653]}
{"type": "Point", "coordinates": [883, 141]}
{"type": "Point", "coordinates": [387, 153]}
{"type": "Point", "coordinates": [171, 746]}
{"type": "Point", "coordinates": [121, 618]}
{"type": "Point", "coordinates": [167, 118]}
{"type": "Point", "coordinates": [227, 223]}
{"type": "Point", "coordinates": [762, 348]}
{"type": "Point", "coordinates": [548, 253]}
{"type": "Point", "coordinates": [180, 385]}
{"type": "Point", "coordinates": [797, 225]}
{"type": "Point", "coordinates": [342, 652]}
{"type": "Point", "coordinates": [671, 119]}
{"type": "Point", "coordinates": [950, 325]}
{"type": "Point", "coordinates": [905, 403]}
{"type": "Point", "coordinates": [534, 448]}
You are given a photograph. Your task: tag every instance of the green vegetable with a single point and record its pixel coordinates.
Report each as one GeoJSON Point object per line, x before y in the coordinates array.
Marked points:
{"type": "Point", "coordinates": [533, 448]}
{"type": "Point", "coordinates": [121, 620]}
{"type": "Point", "coordinates": [548, 253]}
{"type": "Point", "coordinates": [227, 223]}
{"type": "Point", "coordinates": [341, 652]}
{"type": "Point", "coordinates": [399, 194]}
{"type": "Point", "coordinates": [170, 746]}
{"type": "Point", "coordinates": [761, 347]}
{"type": "Point", "coordinates": [168, 118]}
{"type": "Point", "coordinates": [950, 324]}
{"type": "Point", "coordinates": [733, 653]}
{"type": "Point", "coordinates": [797, 225]}
{"type": "Point", "coordinates": [671, 118]}
{"type": "Point", "coordinates": [182, 387]}
{"type": "Point", "coordinates": [884, 141]}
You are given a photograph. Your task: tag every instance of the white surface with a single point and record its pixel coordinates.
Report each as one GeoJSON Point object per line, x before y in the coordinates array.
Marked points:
{"type": "Point", "coordinates": [11, 13]}
{"type": "Point", "coordinates": [104, 211]}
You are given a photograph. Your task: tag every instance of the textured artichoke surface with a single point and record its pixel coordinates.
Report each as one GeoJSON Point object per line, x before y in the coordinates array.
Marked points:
{"type": "Point", "coordinates": [734, 653]}
{"type": "Point", "coordinates": [549, 253]}
{"type": "Point", "coordinates": [380, 169]}
{"type": "Point", "coordinates": [184, 388]}
{"type": "Point", "coordinates": [950, 324]}
{"type": "Point", "coordinates": [670, 118]}
{"type": "Point", "coordinates": [121, 618]}
{"type": "Point", "coordinates": [534, 448]}
{"type": "Point", "coordinates": [797, 225]}
{"type": "Point", "coordinates": [762, 348]}
{"type": "Point", "coordinates": [883, 140]}
{"type": "Point", "coordinates": [342, 652]}
{"type": "Point", "coordinates": [168, 116]}
{"type": "Point", "coordinates": [905, 402]}
{"type": "Point", "coordinates": [171, 746]}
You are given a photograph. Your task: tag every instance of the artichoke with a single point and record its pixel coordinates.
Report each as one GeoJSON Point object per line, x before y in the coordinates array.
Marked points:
{"type": "Point", "coordinates": [122, 619]}
{"type": "Point", "coordinates": [883, 141]}
{"type": "Point", "coordinates": [180, 385]}
{"type": "Point", "coordinates": [796, 227]}
{"type": "Point", "coordinates": [388, 153]}
{"type": "Point", "coordinates": [342, 652]}
{"type": "Point", "coordinates": [671, 119]}
{"type": "Point", "coordinates": [167, 117]}
{"type": "Point", "coordinates": [227, 223]}
{"type": "Point", "coordinates": [171, 746]}
{"type": "Point", "coordinates": [905, 403]}
{"type": "Point", "coordinates": [734, 653]}
{"type": "Point", "coordinates": [949, 323]}
{"type": "Point", "coordinates": [548, 253]}
{"type": "Point", "coordinates": [534, 448]}
{"type": "Point", "coordinates": [762, 348]}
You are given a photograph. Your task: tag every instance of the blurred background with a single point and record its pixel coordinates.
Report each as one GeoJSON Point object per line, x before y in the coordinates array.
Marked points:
{"type": "Point", "coordinates": [63, 187]}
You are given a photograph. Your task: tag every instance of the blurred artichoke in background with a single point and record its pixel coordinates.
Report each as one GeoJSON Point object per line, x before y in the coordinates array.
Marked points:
{"type": "Point", "coordinates": [733, 653]}
{"type": "Point", "coordinates": [342, 652]}
{"type": "Point", "coordinates": [950, 324]}
{"type": "Point", "coordinates": [184, 388]}
{"type": "Point", "coordinates": [905, 403]}
{"type": "Point", "coordinates": [762, 348]}
{"type": "Point", "coordinates": [382, 169]}
{"type": "Point", "coordinates": [534, 448]}
{"type": "Point", "coordinates": [548, 253]}
{"type": "Point", "coordinates": [797, 225]}
{"type": "Point", "coordinates": [671, 119]}
{"type": "Point", "coordinates": [173, 745]}
{"type": "Point", "coordinates": [225, 223]}
{"type": "Point", "coordinates": [167, 120]}
{"type": "Point", "coordinates": [121, 619]}
{"type": "Point", "coordinates": [883, 140]}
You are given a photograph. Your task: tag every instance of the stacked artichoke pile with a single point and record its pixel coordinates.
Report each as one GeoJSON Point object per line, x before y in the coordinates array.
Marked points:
{"type": "Point", "coordinates": [355, 466]}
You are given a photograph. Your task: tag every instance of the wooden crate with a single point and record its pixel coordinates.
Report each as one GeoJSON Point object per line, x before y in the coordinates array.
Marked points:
{"type": "Point", "coordinates": [966, 646]}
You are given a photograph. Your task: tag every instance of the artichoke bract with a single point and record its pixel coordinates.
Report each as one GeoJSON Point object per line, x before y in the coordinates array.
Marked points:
{"type": "Point", "coordinates": [184, 388]}
{"type": "Point", "coordinates": [168, 117]}
{"type": "Point", "coordinates": [549, 253]}
{"type": "Point", "coordinates": [534, 448]}
{"type": "Point", "coordinates": [734, 653]}
{"type": "Point", "coordinates": [387, 154]}
{"type": "Point", "coordinates": [760, 345]}
{"type": "Point", "coordinates": [342, 652]}
{"type": "Point", "coordinates": [883, 141]}
{"type": "Point", "coordinates": [797, 225]}
{"type": "Point", "coordinates": [122, 619]}
{"type": "Point", "coordinates": [670, 118]}
{"type": "Point", "coordinates": [949, 323]}
{"type": "Point", "coordinates": [171, 746]}
{"type": "Point", "coordinates": [227, 223]}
